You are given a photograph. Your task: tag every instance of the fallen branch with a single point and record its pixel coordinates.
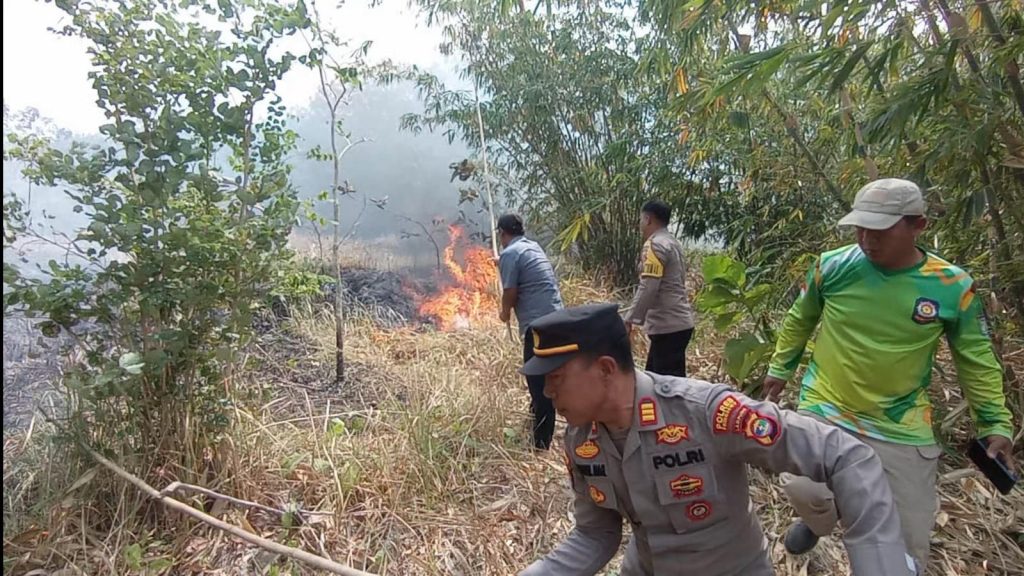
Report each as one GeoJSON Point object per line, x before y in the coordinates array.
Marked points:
{"type": "Point", "coordinates": [293, 553]}
{"type": "Point", "coordinates": [175, 487]}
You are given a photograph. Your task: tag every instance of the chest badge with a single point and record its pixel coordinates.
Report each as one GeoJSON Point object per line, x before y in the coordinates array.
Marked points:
{"type": "Point", "coordinates": [588, 450]}
{"type": "Point", "coordinates": [698, 511]}
{"type": "Point", "coordinates": [685, 485]}
{"type": "Point", "coordinates": [673, 434]}
{"type": "Point", "coordinates": [596, 495]}
{"type": "Point", "coordinates": [926, 310]}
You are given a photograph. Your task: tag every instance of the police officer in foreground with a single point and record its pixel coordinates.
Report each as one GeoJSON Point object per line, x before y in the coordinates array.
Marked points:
{"type": "Point", "coordinates": [668, 454]}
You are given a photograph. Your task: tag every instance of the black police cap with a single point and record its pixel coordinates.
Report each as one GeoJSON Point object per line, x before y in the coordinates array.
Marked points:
{"type": "Point", "coordinates": [559, 336]}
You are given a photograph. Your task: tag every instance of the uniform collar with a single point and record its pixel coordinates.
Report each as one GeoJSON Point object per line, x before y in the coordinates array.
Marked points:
{"type": "Point", "coordinates": [659, 232]}
{"type": "Point", "coordinates": [646, 415]}
{"type": "Point", "coordinates": [646, 412]}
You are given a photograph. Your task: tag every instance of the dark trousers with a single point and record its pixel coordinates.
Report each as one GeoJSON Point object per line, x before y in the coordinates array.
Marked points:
{"type": "Point", "coordinates": [667, 355]}
{"type": "Point", "coordinates": [540, 405]}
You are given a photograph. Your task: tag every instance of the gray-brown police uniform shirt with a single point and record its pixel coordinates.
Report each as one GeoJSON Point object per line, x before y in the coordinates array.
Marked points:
{"type": "Point", "coordinates": [661, 303]}
{"type": "Point", "coordinates": [684, 476]}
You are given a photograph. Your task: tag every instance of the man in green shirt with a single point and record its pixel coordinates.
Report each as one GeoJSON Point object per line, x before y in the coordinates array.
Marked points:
{"type": "Point", "coordinates": [883, 304]}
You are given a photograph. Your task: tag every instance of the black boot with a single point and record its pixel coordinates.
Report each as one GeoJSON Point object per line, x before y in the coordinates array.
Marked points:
{"type": "Point", "coordinates": [800, 539]}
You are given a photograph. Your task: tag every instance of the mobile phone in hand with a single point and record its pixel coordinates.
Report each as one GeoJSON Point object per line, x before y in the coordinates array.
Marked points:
{"type": "Point", "coordinates": [993, 468]}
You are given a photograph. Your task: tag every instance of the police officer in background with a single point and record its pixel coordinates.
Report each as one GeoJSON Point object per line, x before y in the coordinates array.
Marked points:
{"type": "Point", "coordinates": [661, 304]}
{"type": "Point", "coordinates": [669, 455]}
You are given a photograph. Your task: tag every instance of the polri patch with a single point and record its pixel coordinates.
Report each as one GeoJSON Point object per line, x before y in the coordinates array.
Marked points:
{"type": "Point", "coordinates": [677, 459]}
{"type": "Point", "coordinates": [673, 434]}
{"type": "Point", "coordinates": [588, 450]}
{"type": "Point", "coordinates": [762, 429]}
{"type": "Point", "coordinates": [723, 412]}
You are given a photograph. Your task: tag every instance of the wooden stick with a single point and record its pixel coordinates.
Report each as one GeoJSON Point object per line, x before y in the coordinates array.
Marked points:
{"type": "Point", "coordinates": [487, 175]}
{"type": "Point", "coordinates": [293, 553]}
{"type": "Point", "coordinates": [176, 486]}
{"type": "Point", "coordinates": [490, 198]}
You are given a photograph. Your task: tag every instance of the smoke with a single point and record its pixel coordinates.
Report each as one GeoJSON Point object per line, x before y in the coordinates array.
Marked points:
{"type": "Point", "coordinates": [50, 213]}
{"type": "Point", "coordinates": [407, 174]}
{"type": "Point", "coordinates": [402, 185]}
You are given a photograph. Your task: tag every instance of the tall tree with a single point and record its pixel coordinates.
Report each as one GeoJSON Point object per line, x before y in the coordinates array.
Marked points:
{"type": "Point", "coordinates": [189, 208]}
{"type": "Point", "coordinates": [575, 134]}
{"type": "Point", "coordinates": [337, 81]}
{"type": "Point", "coordinates": [929, 90]}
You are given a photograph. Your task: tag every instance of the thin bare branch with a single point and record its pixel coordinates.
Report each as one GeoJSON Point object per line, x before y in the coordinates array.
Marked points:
{"type": "Point", "coordinates": [271, 546]}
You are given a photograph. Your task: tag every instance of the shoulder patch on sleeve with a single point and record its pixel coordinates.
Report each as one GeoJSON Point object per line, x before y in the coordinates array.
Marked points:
{"type": "Point", "coordinates": [652, 267]}
{"type": "Point", "coordinates": [731, 415]}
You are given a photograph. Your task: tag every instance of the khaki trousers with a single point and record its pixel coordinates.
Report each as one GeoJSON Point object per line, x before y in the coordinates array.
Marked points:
{"type": "Point", "coordinates": [911, 471]}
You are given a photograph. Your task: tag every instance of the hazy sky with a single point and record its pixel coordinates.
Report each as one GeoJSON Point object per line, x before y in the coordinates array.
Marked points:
{"type": "Point", "coordinates": [48, 72]}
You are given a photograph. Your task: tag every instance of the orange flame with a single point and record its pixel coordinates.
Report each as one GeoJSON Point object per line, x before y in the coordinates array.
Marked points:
{"type": "Point", "coordinates": [470, 296]}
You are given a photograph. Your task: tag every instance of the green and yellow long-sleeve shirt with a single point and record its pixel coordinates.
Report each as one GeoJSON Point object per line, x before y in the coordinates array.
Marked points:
{"type": "Point", "coordinates": [873, 357]}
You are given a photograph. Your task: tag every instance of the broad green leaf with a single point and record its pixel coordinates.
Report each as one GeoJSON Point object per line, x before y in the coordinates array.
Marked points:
{"type": "Point", "coordinates": [714, 297]}
{"type": "Point", "coordinates": [743, 354]}
{"type": "Point", "coordinates": [337, 428]}
{"type": "Point", "coordinates": [758, 295]}
{"type": "Point", "coordinates": [132, 150]}
{"type": "Point", "coordinates": [133, 556]}
{"type": "Point", "coordinates": [725, 321]}
{"type": "Point", "coordinates": [723, 267]}
{"type": "Point", "coordinates": [131, 362]}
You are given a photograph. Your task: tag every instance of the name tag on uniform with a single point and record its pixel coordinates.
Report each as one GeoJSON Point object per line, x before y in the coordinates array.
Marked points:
{"type": "Point", "coordinates": [591, 469]}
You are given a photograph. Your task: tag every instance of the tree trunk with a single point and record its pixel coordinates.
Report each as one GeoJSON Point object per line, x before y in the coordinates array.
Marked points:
{"type": "Point", "coordinates": [1003, 251]}
{"type": "Point", "coordinates": [339, 301]}
{"type": "Point", "coordinates": [792, 124]}
{"type": "Point", "coordinates": [862, 147]}
{"type": "Point", "coordinates": [1011, 68]}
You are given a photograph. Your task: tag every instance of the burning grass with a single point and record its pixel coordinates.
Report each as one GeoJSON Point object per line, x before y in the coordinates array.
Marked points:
{"type": "Point", "coordinates": [470, 293]}
{"type": "Point", "coordinates": [422, 464]}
